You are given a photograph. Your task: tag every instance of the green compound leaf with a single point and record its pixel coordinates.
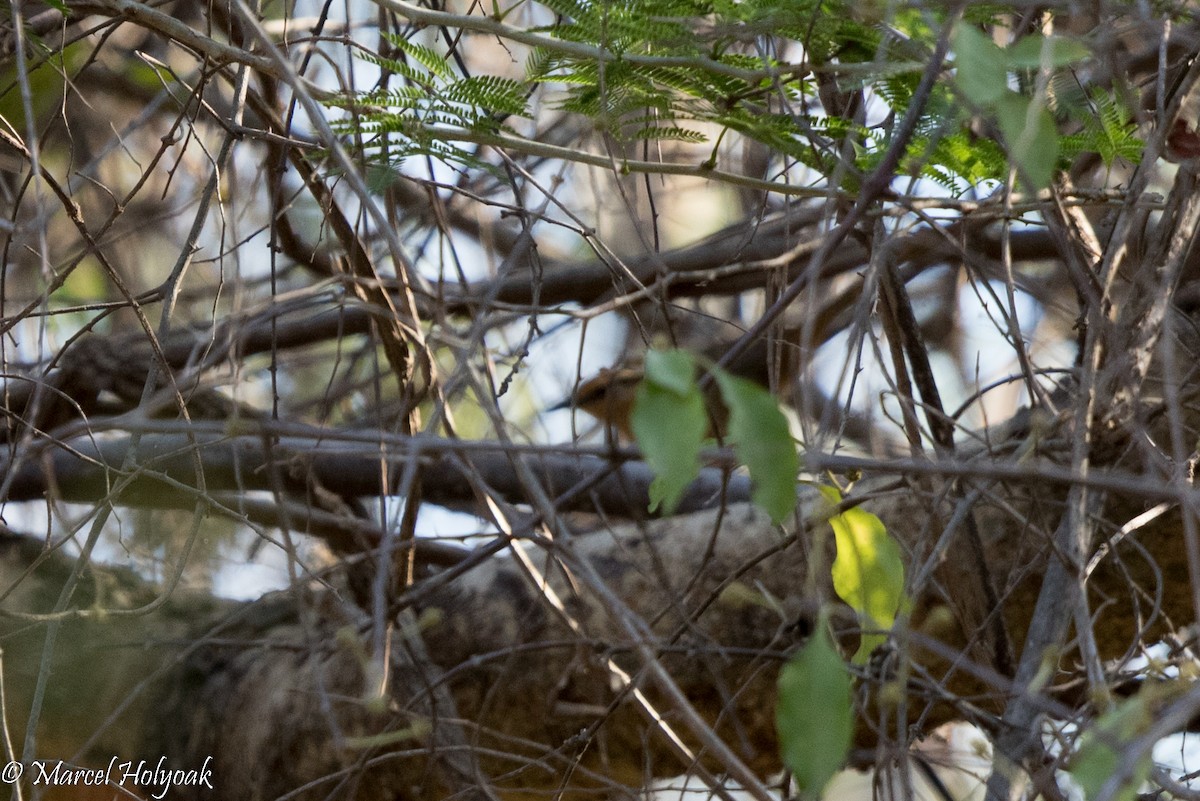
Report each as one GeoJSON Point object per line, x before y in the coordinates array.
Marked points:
{"type": "Point", "coordinates": [669, 423]}
{"type": "Point", "coordinates": [762, 441]}
{"type": "Point", "coordinates": [815, 713]}
{"type": "Point", "coordinates": [868, 573]}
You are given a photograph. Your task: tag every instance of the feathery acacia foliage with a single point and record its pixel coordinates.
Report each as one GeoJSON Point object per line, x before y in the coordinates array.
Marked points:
{"type": "Point", "coordinates": [771, 71]}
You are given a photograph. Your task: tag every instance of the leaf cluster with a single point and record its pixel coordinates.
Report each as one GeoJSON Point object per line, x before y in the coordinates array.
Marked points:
{"type": "Point", "coordinates": [670, 423]}
{"type": "Point", "coordinates": [683, 70]}
{"type": "Point", "coordinates": [397, 119]}
{"type": "Point", "coordinates": [720, 66]}
{"type": "Point", "coordinates": [868, 575]}
{"type": "Point", "coordinates": [1022, 92]}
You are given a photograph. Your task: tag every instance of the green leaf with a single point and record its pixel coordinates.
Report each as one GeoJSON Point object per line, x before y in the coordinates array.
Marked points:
{"type": "Point", "coordinates": [1054, 51]}
{"type": "Point", "coordinates": [815, 715]}
{"type": "Point", "coordinates": [868, 573]}
{"type": "Point", "coordinates": [669, 423]}
{"type": "Point", "coordinates": [762, 441]}
{"type": "Point", "coordinates": [672, 370]}
{"type": "Point", "coordinates": [1099, 754]}
{"type": "Point", "coordinates": [981, 68]}
{"type": "Point", "coordinates": [1031, 136]}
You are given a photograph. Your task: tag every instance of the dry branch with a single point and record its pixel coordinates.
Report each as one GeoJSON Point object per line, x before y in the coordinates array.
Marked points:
{"type": "Point", "coordinates": [161, 469]}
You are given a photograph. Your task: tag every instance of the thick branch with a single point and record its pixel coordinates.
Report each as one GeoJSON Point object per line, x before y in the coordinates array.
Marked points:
{"type": "Point", "coordinates": [346, 463]}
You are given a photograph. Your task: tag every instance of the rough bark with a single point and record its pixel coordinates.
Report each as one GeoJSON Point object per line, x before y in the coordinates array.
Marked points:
{"type": "Point", "coordinates": [498, 682]}
{"type": "Point", "coordinates": [285, 691]}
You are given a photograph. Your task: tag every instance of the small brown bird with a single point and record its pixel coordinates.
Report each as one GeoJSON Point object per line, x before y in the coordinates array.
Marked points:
{"type": "Point", "coordinates": [608, 396]}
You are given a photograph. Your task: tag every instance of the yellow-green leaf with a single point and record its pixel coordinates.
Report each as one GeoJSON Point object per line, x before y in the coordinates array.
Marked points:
{"type": "Point", "coordinates": [868, 573]}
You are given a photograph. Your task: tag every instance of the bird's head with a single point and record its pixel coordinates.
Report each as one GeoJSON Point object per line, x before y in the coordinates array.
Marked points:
{"type": "Point", "coordinates": [607, 396]}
